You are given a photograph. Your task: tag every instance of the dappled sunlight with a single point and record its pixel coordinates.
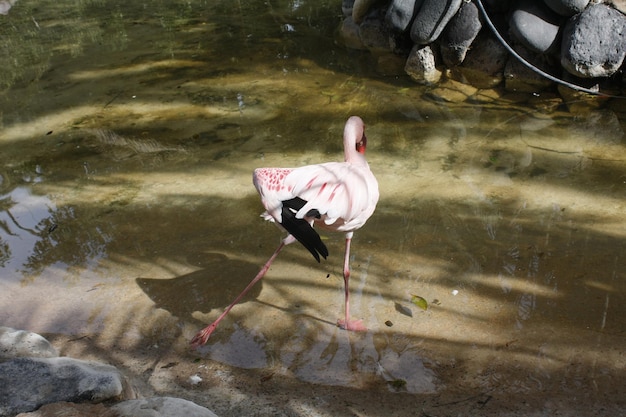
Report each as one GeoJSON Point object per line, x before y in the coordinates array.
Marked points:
{"type": "Point", "coordinates": [128, 221]}
{"type": "Point", "coordinates": [137, 68]}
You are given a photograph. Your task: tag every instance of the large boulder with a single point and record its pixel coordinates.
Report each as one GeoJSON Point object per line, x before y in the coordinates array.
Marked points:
{"type": "Point", "coordinates": [28, 383]}
{"type": "Point", "coordinates": [594, 42]}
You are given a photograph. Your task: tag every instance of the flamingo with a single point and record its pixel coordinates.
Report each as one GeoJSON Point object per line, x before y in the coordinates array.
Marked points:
{"type": "Point", "coordinates": [337, 196]}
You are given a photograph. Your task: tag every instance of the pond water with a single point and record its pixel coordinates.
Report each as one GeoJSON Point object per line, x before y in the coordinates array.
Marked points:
{"type": "Point", "coordinates": [128, 220]}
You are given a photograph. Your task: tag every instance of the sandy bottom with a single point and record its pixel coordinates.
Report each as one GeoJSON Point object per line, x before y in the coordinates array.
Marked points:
{"type": "Point", "coordinates": [128, 221]}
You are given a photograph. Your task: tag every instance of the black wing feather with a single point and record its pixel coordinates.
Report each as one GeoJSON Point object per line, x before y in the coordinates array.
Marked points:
{"type": "Point", "coordinates": [301, 229]}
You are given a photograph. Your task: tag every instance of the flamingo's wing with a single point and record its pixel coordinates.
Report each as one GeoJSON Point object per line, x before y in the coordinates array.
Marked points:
{"type": "Point", "coordinates": [345, 195]}
{"type": "Point", "coordinates": [282, 205]}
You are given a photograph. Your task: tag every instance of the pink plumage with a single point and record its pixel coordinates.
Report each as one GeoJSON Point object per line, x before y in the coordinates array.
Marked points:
{"type": "Point", "coordinates": [338, 196]}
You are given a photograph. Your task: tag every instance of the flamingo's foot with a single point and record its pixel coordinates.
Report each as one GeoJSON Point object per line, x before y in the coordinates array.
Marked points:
{"type": "Point", "coordinates": [352, 325]}
{"type": "Point", "coordinates": [202, 336]}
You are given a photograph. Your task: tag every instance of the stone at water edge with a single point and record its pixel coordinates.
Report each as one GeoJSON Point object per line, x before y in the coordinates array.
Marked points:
{"type": "Point", "coordinates": [421, 65]}
{"type": "Point", "coordinates": [20, 343]}
{"type": "Point", "coordinates": [484, 63]}
{"type": "Point", "coordinates": [459, 34]}
{"type": "Point", "coordinates": [28, 383]}
{"type": "Point", "coordinates": [360, 9]}
{"type": "Point", "coordinates": [66, 409]}
{"type": "Point", "coordinates": [349, 34]}
{"type": "Point", "coordinates": [594, 42]}
{"type": "Point", "coordinates": [535, 26]}
{"type": "Point", "coordinates": [161, 407]}
{"type": "Point", "coordinates": [431, 19]}
{"type": "Point", "coordinates": [400, 13]}
{"type": "Point", "coordinates": [374, 35]}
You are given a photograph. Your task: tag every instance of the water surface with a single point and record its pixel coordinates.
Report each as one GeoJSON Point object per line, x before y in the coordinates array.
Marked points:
{"type": "Point", "coordinates": [128, 220]}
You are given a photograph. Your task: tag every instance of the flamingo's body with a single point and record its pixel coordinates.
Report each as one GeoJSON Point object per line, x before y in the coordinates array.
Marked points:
{"type": "Point", "coordinates": [338, 196]}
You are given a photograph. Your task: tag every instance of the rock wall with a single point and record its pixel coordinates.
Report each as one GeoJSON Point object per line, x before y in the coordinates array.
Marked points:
{"type": "Point", "coordinates": [522, 45]}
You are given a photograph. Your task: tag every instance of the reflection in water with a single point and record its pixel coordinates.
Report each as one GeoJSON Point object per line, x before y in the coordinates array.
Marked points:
{"type": "Point", "coordinates": [25, 223]}
{"type": "Point", "coordinates": [128, 217]}
{"type": "Point", "coordinates": [34, 235]}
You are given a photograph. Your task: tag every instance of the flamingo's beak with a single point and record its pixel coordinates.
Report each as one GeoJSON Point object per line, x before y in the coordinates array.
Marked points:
{"type": "Point", "coordinates": [361, 145]}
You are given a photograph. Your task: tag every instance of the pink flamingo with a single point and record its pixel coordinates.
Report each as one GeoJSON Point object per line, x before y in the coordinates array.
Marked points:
{"type": "Point", "coordinates": [337, 196]}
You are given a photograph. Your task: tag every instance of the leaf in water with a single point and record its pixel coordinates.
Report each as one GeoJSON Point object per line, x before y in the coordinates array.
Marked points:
{"type": "Point", "coordinates": [419, 301]}
{"type": "Point", "coordinates": [404, 310]}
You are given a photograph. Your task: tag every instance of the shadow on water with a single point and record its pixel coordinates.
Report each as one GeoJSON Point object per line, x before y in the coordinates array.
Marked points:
{"type": "Point", "coordinates": [128, 221]}
{"type": "Point", "coordinates": [202, 290]}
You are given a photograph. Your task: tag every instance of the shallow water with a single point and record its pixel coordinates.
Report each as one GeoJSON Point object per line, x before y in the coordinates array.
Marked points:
{"type": "Point", "coordinates": [128, 219]}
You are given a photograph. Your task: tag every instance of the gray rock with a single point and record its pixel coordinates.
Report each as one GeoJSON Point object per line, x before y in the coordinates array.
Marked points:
{"type": "Point", "coordinates": [20, 343]}
{"type": "Point", "coordinates": [346, 7]}
{"type": "Point", "coordinates": [28, 383]}
{"type": "Point", "coordinates": [161, 407]}
{"type": "Point", "coordinates": [594, 42]}
{"type": "Point", "coordinates": [519, 78]}
{"type": "Point", "coordinates": [535, 26]}
{"type": "Point", "coordinates": [399, 43]}
{"type": "Point", "coordinates": [459, 34]}
{"type": "Point", "coordinates": [421, 65]}
{"type": "Point", "coordinates": [431, 19]}
{"type": "Point", "coordinates": [373, 34]}
{"type": "Point", "coordinates": [400, 13]}
{"type": "Point", "coordinates": [349, 34]}
{"type": "Point", "coordinates": [567, 7]}
{"type": "Point", "coordinates": [484, 64]}
{"type": "Point", "coordinates": [65, 409]}
{"type": "Point", "coordinates": [360, 9]}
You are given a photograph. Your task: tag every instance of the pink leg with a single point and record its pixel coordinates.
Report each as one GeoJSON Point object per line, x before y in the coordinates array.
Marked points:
{"type": "Point", "coordinates": [203, 335]}
{"type": "Point", "coordinates": [347, 324]}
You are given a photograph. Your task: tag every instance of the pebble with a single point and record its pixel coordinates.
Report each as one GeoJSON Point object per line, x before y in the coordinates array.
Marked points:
{"type": "Point", "coordinates": [421, 66]}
